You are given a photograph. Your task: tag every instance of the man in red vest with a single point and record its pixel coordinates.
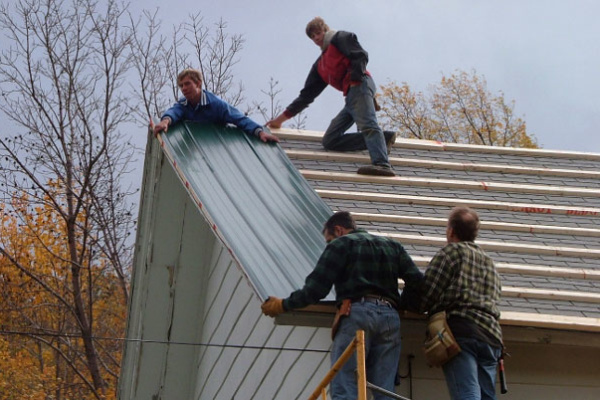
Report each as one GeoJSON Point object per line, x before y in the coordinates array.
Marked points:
{"type": "Point", "coordinates": [343, 65]}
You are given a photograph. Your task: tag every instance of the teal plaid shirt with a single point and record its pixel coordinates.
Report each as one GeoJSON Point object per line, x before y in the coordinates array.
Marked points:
{"type": "Point", "coordinates": [358, 264]}
{"type": "Point", "coordinates": [462, 280]}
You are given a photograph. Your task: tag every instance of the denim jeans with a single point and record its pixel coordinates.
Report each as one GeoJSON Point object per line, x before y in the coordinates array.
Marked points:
{"type": "Point", "coordinates": [381, 324]}
{"type": "Point", "coordinates": [359, 108]}
{"type": "Point", "coordinates": [471, 375]}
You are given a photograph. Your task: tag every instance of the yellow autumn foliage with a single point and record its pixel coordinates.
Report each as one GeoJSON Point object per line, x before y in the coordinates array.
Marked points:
{"type": "Point", "coordinates": [40, 345]}
{"type": "Point", "coordinates": [460, 109]}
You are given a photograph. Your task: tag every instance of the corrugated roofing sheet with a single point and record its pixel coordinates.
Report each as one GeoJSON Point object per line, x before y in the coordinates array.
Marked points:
{"type": "Point", "coordinates": [257, 202]}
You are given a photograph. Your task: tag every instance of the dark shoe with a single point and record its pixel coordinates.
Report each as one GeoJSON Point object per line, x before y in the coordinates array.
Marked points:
{"type": "Point", "coordinates": [390, 142]}
{"type": "Point", "coordinates": [379, 170]}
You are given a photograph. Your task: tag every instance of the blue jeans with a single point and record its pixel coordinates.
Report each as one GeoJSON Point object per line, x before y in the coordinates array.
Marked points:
{"type": "Point", "coordinates": [471, 375]}
{"type": "Point", "coordinates": [359, 108]}
{"type": "Point", "coordinates": [381, 324]}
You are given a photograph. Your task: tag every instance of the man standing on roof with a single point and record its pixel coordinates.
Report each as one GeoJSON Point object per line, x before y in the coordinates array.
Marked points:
{"type": "Point", "coordinates": [343, 65]}
{"type": "Point", "coordinates": [200, 105]}
{"type": "Point", "coordinates": [462, 281]}
{"type": "Point", "coordinates": [364, 269]}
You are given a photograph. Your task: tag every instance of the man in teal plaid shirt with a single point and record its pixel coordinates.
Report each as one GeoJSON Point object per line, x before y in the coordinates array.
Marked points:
{"type": "Point", "coordinates": [364, 269]}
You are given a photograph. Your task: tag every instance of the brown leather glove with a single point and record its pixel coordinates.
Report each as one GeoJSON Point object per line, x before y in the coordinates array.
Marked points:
{"type": "Point", "coordinates": [272, 307]}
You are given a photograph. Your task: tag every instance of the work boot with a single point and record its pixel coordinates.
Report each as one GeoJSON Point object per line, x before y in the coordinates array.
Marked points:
{"type": "Point", "coordinates": [389, 142]}
{"type": "Point", "coordinates": [379, 170]}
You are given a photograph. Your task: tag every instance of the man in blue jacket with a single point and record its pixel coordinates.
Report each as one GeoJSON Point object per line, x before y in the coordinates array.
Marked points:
{"type": "Point", "coordinates": [343, 65]}
{"type": "Point", "coordinates": [199, 105]}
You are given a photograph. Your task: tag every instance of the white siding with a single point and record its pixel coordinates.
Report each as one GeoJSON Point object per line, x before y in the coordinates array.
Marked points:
{"type": "Point", "coordinates": [245, 369]}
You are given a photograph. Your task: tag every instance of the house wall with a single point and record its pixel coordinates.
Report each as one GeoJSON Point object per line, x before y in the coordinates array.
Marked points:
{"type": "Point", "coordinates": [167, 291]}
{"type": "Point", "coordinates": [534, 370]}
{"type": "Point", "coordinates": [247, 356]}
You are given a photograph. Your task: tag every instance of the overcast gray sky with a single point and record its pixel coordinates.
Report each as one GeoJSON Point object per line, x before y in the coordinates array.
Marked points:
{"type": "Point", "coordinates": [543, 54]}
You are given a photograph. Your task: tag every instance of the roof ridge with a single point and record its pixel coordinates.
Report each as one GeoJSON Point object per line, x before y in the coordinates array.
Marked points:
{"type": "Point", "coordinates": [292, 134]}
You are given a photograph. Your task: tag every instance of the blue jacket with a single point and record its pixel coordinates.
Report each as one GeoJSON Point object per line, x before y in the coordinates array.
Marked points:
{"type": "Point", "coordinates": [211, 109]}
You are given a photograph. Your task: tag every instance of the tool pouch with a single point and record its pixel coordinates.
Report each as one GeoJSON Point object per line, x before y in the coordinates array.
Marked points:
{"type": "Point", "coordinates": [440, 345]}
{"type": "Point", "coordinates": [343, 311]}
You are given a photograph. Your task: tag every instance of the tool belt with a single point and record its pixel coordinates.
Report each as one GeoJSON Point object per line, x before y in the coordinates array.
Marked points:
{"type": "Point", "coordinates": [440, 345]}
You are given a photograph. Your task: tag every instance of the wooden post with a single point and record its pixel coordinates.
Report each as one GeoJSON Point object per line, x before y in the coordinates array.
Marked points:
{"type": "Point", "coordinates": [361, 366]}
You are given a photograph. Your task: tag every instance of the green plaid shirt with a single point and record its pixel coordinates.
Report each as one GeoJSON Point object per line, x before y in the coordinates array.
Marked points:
{"type": "Point", "coordinates": [358, 264]}
{"type": "Point", "coordinates": [462, 280]}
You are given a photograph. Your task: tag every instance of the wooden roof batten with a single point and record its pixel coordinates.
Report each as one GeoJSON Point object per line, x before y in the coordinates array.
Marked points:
{"type": "Point", "coordinates": [533, 270]}
{"type": "Point", "coordinates": [590, 212]}
{"type": "Point", "coordinates": [485, 225]}
{"type": "Point", "coordinates": [451, 184]}
{"type": "Point", "coordinates": [434, 164]}
{"type": "Point", "coordinates": [491, 245]}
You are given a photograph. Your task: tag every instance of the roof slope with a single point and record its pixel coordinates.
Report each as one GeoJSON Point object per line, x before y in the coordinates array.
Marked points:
{"type": "Point", "coordinates": [257, 203]}
{"type": "Point", "coordinates": [540, 212]}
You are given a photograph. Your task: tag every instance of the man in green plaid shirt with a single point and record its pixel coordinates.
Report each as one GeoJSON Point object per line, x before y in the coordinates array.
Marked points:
{"type": "Point", "coordinates": [462, 281]}
{"type": "Point", "coordinates": [364, 269]}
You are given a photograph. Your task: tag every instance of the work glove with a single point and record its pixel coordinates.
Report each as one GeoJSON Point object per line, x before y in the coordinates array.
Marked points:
{"type": "Point", "coordinates": [272, 307]}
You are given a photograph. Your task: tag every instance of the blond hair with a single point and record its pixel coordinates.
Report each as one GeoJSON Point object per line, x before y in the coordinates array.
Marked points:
{"type": "Point", "coordinates": [317, 24]}
{"type": "Point", "coordinates": [194, 74]}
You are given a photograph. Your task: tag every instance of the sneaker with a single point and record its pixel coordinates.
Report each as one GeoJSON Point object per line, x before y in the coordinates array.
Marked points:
{"type": "Point", "coordinates": [379, 170]}
{"type": "Point", "coordinates": [390, 142]}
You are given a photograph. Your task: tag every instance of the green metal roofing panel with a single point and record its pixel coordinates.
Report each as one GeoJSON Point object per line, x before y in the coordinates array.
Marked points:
{"type": "Point", "coordinates": [256, 201]}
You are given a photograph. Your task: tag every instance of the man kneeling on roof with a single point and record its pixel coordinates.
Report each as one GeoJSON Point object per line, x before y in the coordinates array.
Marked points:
{"type": "Point", "coordinates": [364, 269]}
{"type": "Point", "coordinates": [342, 64]}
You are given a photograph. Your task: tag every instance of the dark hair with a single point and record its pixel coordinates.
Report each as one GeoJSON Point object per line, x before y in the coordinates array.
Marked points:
{"type": "Point", "coordinates": [340, 218]}
{"type": "Point", "coordinates": [464, 223]}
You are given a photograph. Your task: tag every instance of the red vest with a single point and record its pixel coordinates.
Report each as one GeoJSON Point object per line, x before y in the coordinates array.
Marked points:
{"type": "Point", "coordinates": [334, 68]}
